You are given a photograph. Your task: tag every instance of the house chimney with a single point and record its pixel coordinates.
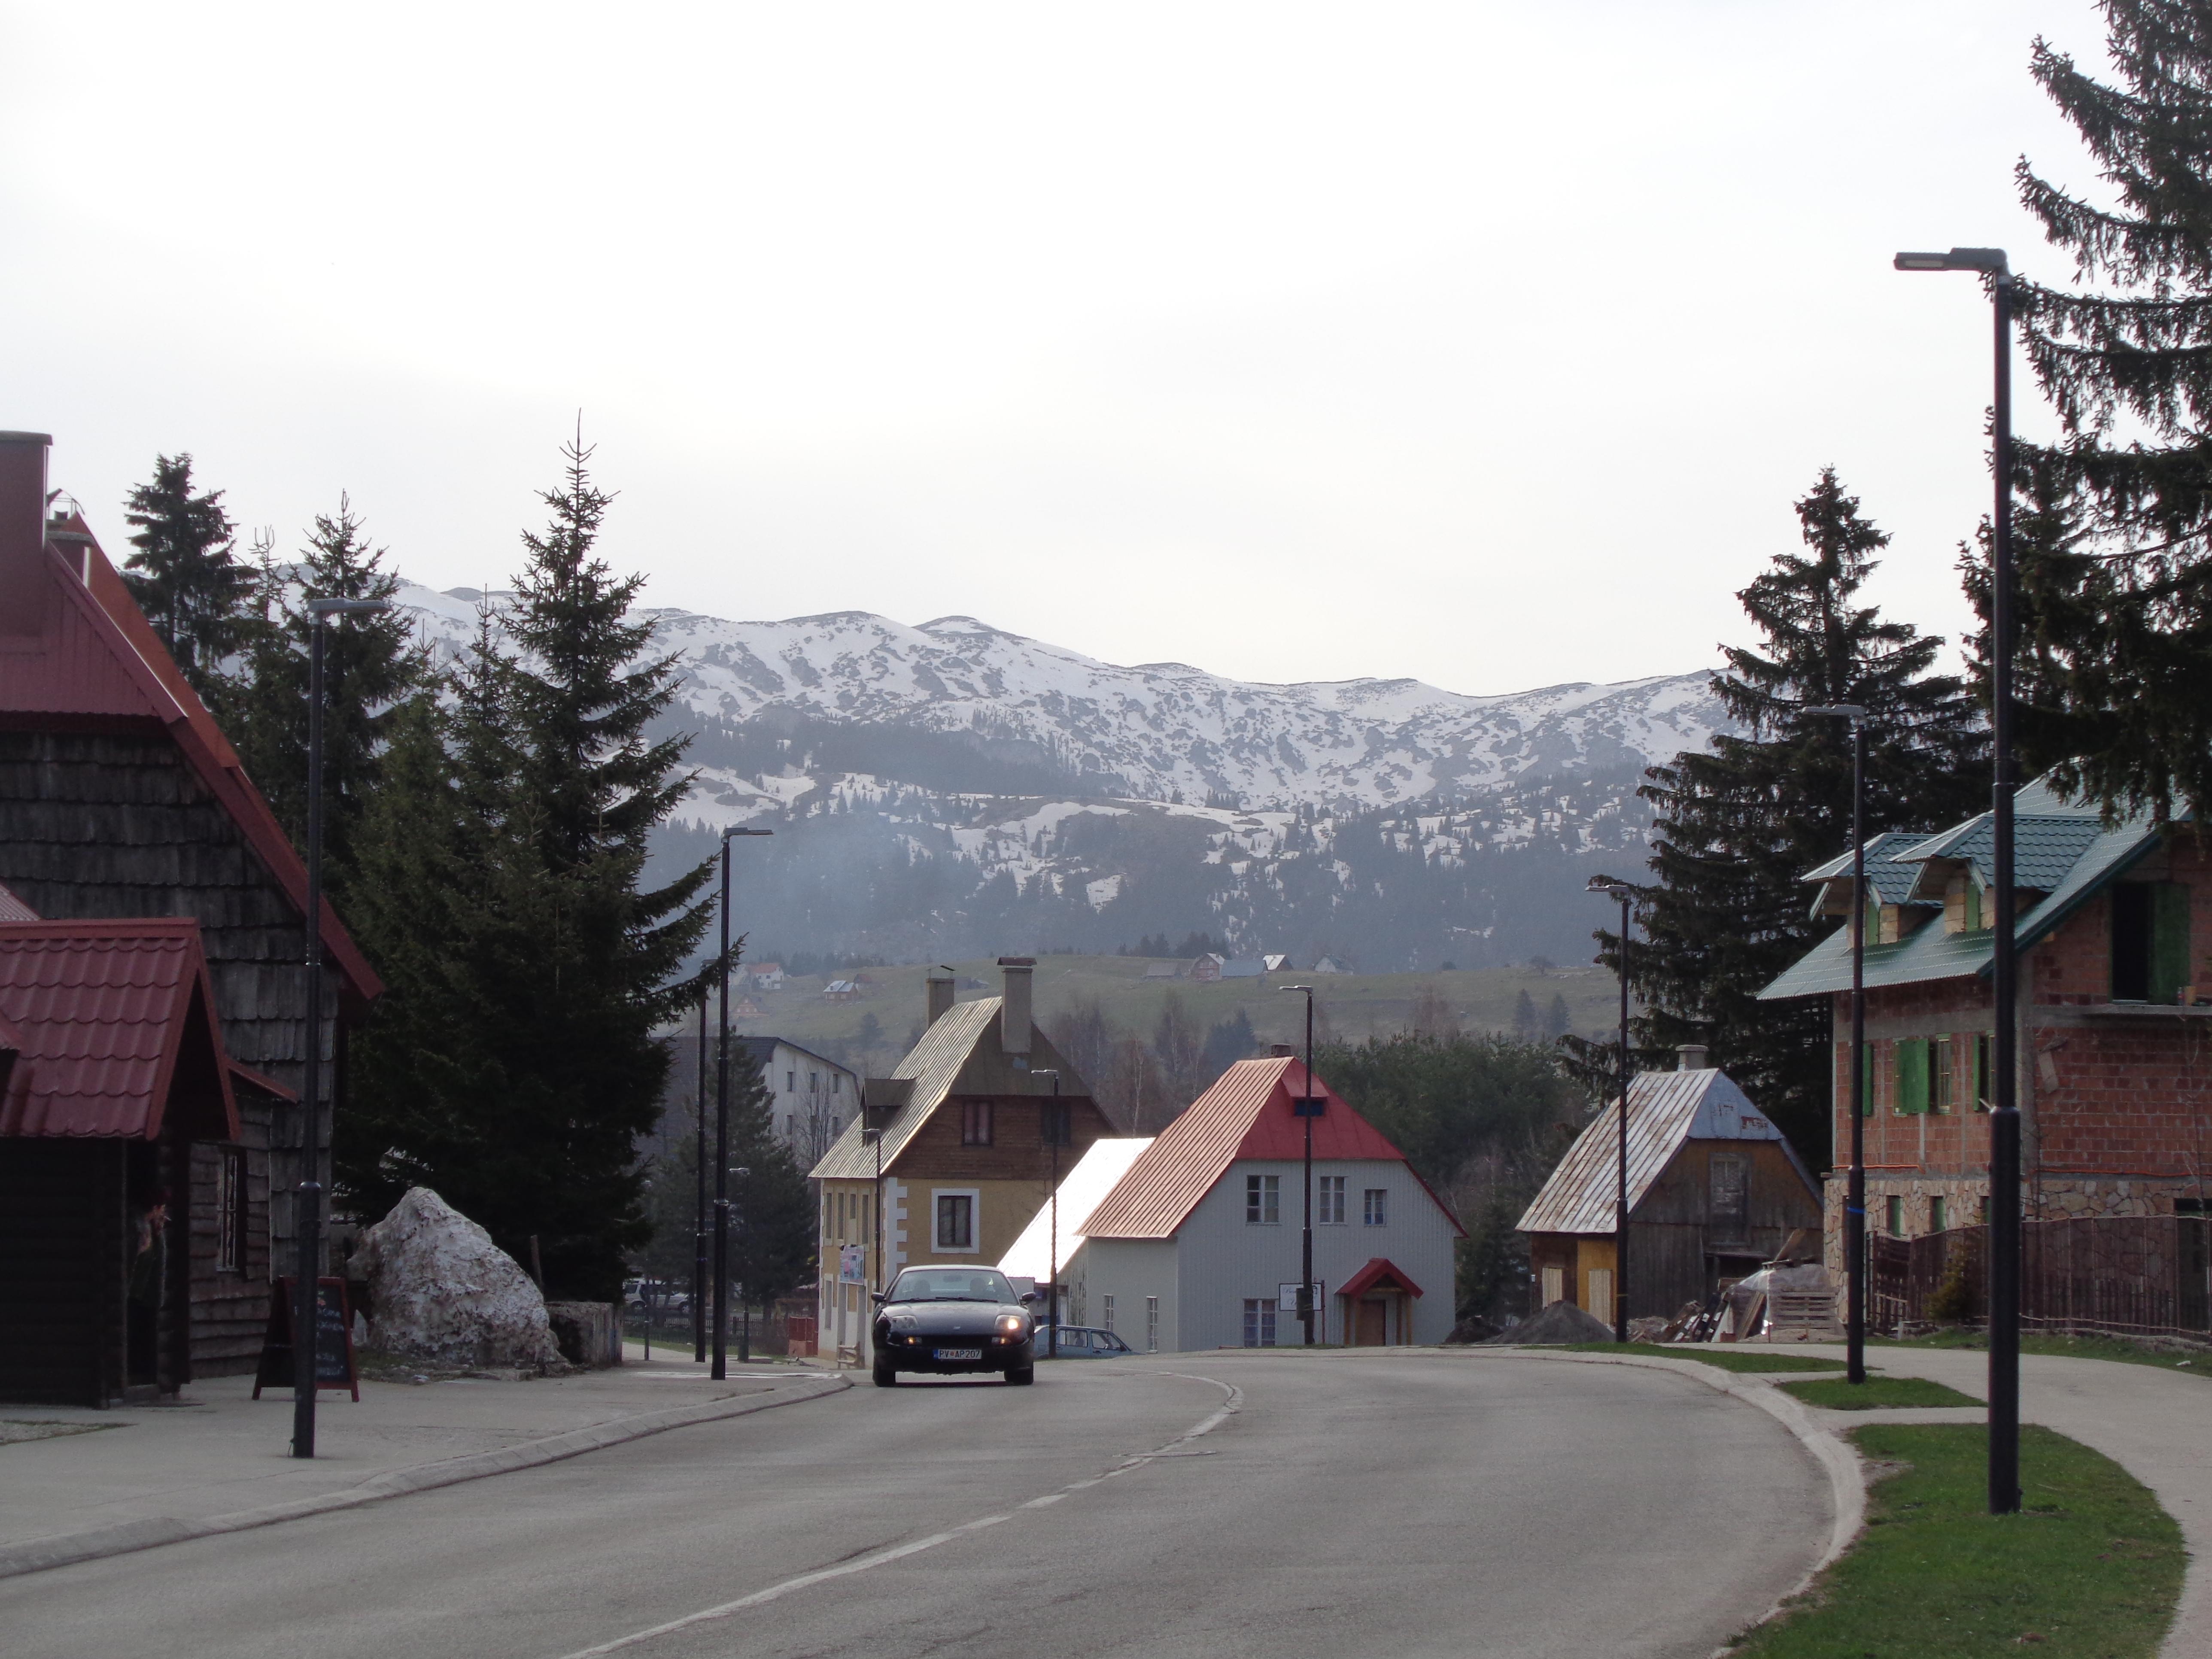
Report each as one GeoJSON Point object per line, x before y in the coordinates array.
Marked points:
{"type": "Point", "coordinates": [1014, 1012]}
{"type": "Point", "coordinates": [23, 586]}
{"type": "Point", "coordinates": [939, 981]}
{"type": "Point", "coordinates": [1691, 1057]}
{"type": "Point", "coordinates": [1280, 1051]}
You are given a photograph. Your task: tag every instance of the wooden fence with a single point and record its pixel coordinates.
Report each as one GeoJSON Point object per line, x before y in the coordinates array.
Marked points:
{"type": "Point", "coordinates": [2130, 1275]}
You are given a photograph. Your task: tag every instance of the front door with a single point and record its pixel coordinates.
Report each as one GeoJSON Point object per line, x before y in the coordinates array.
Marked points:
{"type": "Point", "coordinates": [1371, 1330]}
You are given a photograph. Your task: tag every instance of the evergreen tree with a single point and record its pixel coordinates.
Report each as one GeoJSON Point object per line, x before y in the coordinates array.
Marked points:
{"type": "Point", "coordinates": [1227, 1042]}
{"type": "Point", "coordinates": [771, 1213]}
{"type": "Point", "coordinates": [185, 575]}
{"type": "Point", "coordinates": [1525, 1026]}
{"type": "Point", "coordinates": [370, 663]}
{"type": "Point", "coordinates": [2116, 592]}
{"type": "Point", "coordinates": [1558, 1021]}
{"type": "Point", "coordinates": [1736, 829]}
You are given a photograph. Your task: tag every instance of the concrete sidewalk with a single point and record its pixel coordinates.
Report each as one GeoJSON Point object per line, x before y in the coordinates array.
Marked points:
{"type": "Point", "coordinates": [2155, 1423]}
{"type": "Point", "coordinates": [87, 1483]}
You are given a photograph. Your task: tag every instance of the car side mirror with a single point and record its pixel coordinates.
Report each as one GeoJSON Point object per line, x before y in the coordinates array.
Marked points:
{"type": "Point", "coordinates": [1030, 1297]}
{"type": "Point", "coordinates": [879, 1297]}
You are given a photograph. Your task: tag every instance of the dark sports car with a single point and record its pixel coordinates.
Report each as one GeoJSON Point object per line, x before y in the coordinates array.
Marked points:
{"type": "Point", "coordinates": [947, 1320]}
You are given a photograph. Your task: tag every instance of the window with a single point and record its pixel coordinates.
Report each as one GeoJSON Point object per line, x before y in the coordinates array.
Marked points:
{"type": "Point", "coordinates": [1911, 1077]}
{"type": "Point", "coordinates": [1731, 1196]}
{"type": "Point", "coordinates": [1106, 1319]}
{"type": "Point", "coordinates": [1329, 1202]}
{"type": "Point", "coordinates": [836, 1082]}
{"type": "Point", "coordinates": [1151, 1324]}
{"type": "Point", "coordinates": [2150, 941]}
{"type": "Point", "coordinates": [1896, 1217]}
{"type": "Point", "coordinates": [790, 1127]}
{"type": "Point", "coordinates": [1938, 1215]}
{"type": "Point", "coordinates": [1983, 1046]}
{"type": "Point", "coordinates": [1941, 1061]}
{"type": "Point", "coordinates": [791, 1083]}
{"type": "Point", "coordinates": [1055, 1123]}
{"type": "Point", "coordinates": [956, 1221]}
{"type": "Point", "coordinates": [1375, 1209]}
{"type": "Point", "coordinates": [1259, 1318]}
{"type": "Point", "coordinates": [1866, 1077]}
{"type": "Point", "coordinates": [1263, 1199]}
{"type": "Point", "coordinates": [230, 1209]}
{"type": "Point", "coordinates": [836, 1127]}
{"type": "Point", "coordinates": [974, 1123]}
{"type": "Point", "coordinates": [814, 1082]}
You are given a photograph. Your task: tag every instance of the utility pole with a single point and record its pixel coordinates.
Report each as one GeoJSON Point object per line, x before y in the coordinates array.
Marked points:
{"type": "Point", "coordinates": [1309, 1106]}
{"type": "Point", "coordinates": [720, 1368]}
{"type": "Point", "coordinates": [1855, 1189]}
{"type": "Point", "coordinates": [1626, 895]}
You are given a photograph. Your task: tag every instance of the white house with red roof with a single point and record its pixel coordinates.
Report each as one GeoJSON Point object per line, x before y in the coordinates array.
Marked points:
{"type": "Point", "coordinates": [1199, 1244]}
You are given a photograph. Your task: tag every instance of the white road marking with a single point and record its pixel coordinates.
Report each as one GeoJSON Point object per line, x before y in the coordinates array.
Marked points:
{"type": "Point", "coordinates": [1229, 1408]}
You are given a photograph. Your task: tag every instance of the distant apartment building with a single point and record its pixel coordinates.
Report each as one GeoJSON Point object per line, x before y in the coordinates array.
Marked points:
{"type": "Point", "coordinates": [812, 1097]}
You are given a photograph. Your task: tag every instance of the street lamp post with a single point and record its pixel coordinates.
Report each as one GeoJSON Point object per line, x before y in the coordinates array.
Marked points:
{"type": "Point", "coordinates": [1626, 895]}
{"type": "Point", "coordinates": [1855, 1199]}
{"type": "Point", "coordinates": [1309, 1106]}
{"type": "Point", "coordinates": [2004, 1117]}
{"type": "Point", "coordinates": [308, 1212]}
{"type": "Point", "coordinates": [699, 1205]}
{"type": "Point", "coordinates": [721, 1367]}
{"type": "Point", "coordinates": [1055, 1136]}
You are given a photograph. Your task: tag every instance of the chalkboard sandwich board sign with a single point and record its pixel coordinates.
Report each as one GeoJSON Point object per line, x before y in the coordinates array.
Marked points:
{"type": "Point", "coordinates": [334, 1360]}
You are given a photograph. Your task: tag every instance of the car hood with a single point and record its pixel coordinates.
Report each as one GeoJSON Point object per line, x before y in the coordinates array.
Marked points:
{"type": "Point", "coordinates": [947, 1318]}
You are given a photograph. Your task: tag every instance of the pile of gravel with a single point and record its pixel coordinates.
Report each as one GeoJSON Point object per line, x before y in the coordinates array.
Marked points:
{"type": "Point", "coordinates": [1562, 1322]}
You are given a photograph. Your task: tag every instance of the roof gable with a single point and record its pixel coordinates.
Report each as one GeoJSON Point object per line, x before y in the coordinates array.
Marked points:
{"type": "Point", "coordinates": [1665, 1111]}
{"type": "Point", "coordinates": [107, 1020]}
{"type": "Point", "coordinates": [1246, 1113]}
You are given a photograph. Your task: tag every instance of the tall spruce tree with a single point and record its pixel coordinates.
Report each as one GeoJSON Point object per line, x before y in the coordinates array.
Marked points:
{"type": "Point", "coordinates": [370, 664]}
{"type": "Point", "coordinates": [2116, 599]}
{"type": "Point", "coordinates": [184, 572]}
{"type": "Point", "coordinates": [1736, 829]}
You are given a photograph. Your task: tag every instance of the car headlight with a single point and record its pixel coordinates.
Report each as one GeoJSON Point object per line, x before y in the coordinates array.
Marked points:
{"type": "Point", "coordinates": [1012, 1326]}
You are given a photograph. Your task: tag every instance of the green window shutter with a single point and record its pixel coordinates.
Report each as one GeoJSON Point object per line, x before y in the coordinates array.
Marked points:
{"type": "Point", "coordinates": [1866, 1082]}
{"type": "Point", "coordinates": [1912, 1076]}
{"type": "Point", "coordinates": [2169, 940]}
{"type": "Point", "coordinates": [1973, 903]}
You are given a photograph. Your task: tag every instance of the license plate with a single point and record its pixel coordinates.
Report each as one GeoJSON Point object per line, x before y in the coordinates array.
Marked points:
{"type": "Point", "coordinates": [960, 1353]}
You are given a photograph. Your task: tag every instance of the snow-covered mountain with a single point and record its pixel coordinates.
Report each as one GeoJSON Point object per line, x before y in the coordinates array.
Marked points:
{"type": "Point", "coordinates": [952, 789]}
{"type": "Point", "coordinates": [1160, 732]}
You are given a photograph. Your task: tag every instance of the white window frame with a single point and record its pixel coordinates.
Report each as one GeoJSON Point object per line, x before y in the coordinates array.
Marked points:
{"type": "Point", "coordinates": [1151, 1324]}
{"type": "Point", "coordinates": [1263, 1201]}
{"type": "Point", "coordinates": [1374, 1207]}
{"type": "Point", "coordinates": [1328, 1202]}
{"type": "Point", "coordinates": [974, 1197]}
{"type": "Point", "coordinates": [1106, 1309]}
{"type": "Point", "coordinates": [1259, 1321]}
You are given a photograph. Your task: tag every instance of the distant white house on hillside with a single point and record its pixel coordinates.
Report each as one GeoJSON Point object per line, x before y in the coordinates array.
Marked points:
{"type": "Point", "coordinates": [1198, 1246]}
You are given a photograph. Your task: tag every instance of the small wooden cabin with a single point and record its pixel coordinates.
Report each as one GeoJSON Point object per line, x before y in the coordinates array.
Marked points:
{"type": "Point", "coordinates": [1714, 1189]}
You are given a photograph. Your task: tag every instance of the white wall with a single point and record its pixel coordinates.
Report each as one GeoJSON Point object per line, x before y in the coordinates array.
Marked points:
{"type": "Point", "coordinates": [1223, 1261]}
{"type": "Point", "coordinates": [1129, 1270]}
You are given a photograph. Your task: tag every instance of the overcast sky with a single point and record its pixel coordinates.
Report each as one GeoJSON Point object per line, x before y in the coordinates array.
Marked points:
{"type": "Point", "coordinates": [1481, 343]}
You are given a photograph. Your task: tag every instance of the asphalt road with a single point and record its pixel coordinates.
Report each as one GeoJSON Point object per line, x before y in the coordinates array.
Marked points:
{"type": "Point", "coordinates": [1398, 1506]}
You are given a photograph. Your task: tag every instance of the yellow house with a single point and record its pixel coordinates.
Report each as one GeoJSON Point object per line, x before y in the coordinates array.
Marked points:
{"type": "Point", "coordinates": [953, 1155]}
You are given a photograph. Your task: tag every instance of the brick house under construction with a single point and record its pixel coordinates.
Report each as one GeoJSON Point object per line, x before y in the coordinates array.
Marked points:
{"type": "Point", "coordinates": [2114, 925]}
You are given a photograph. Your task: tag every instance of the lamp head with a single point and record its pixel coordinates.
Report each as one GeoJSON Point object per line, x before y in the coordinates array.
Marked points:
{"type": "Point", "coordinates": [742, 829]}
{"type": "Point", "coordinates": [1987, 261]}
{"type": "Point", "coordinates": [1608, 886]}
{"type": "Point", "coordinates": [1307, 989]}
{"type": "Point", "coordinates": [1843, 711]}
{"type": "Point", "coordinates": [320, 608]}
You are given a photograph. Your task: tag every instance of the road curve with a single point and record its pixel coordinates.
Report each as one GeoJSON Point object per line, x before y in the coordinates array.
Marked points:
{"type": "Point", "coordinates": [1406, 1504]}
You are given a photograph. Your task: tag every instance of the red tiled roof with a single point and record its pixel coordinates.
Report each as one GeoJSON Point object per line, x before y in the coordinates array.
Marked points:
{"type": "Point", "coordinates": [1379, 1270]}
{"type": "Point", "coordinates": [1246, 1113]}
{"type": "Point", "coordinates": [100, 657]}
{"type": "Point", "coordinates": [111, 1024]}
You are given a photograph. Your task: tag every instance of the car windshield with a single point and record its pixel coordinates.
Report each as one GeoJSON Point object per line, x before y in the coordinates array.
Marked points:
{"type": "Point", "coordinates": [952, 1284]}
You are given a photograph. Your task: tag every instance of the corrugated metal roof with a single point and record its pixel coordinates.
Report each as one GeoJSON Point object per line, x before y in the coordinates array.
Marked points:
{"type": "Point", "coordinates": [102, 1015]}
{"type": "Point", "coordinates": [1246, 1113]}
{"type": "Point", "coordinates": [959, 1055]}
{"type": "Point", "coordinates": [14, 909]}
{"type": "Point", "coordinates": [100, 657]}
{"type": "Point", "coordinates": [1665, 1110]}
{"type": "Point", "coordinates": [1892, 882]}
{"type": "Point", "coordinates": [1103, 1164]}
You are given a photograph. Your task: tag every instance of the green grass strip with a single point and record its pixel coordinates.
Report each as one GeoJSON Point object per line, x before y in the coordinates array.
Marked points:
{"type": "Point", "coordinates": [1727, 1359]}
{"type": "Point", "coordinates": [2090, 1569]}
{"type": "Point", "coordinates": [1876, 1393]}
{"type": "Point", "coordinates": [2065, 1347]}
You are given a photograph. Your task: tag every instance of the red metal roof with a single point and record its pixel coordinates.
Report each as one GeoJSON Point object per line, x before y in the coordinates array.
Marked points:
{"type": "Point", "coordinates": [1246, 1113]}
{"type": "Point", "coordinates": [98, 657]}
{"type": "Point", "coordinates": [111, 1024]}
{"type": "Point", "coordinates": [1383, 1272]}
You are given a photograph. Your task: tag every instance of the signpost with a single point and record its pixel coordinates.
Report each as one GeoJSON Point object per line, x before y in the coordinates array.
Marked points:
{"type": "Point", "coordinates": [334, 1360]}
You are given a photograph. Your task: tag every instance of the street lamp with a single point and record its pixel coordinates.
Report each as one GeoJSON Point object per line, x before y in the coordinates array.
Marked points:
{"type": "Point", "coordinates": [1054, 1126]}
{"type": "Point", "coordinates": [1855, 1199]}
{"type": "Point", "coordinates": [1309, 1106]}
{"type": "Point", "coordinates": [2004, 1117]}
{"type": "Point", "coordinates": [1626, 895]}
{"type": "Point", "coordinates": [721, 1368]}
{"type": "Point", "coordinates": [308, 1217]}
{"type": "Point", "coordinates": [699, 1206]}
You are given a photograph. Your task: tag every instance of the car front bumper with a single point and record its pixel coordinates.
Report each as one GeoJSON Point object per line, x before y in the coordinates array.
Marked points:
{"type": "Point", "coordinates": [921, 1356]}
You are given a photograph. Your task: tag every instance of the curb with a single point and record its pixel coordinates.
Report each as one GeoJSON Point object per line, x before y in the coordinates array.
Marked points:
{"type": "Point", "coordinates": [96, 1543]}
{"type": "Point", "coordinates": [1846, 1471]}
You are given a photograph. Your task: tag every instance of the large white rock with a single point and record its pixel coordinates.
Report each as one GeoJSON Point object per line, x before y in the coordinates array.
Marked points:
{"type": "Point", "coordinates": [442, 1291]}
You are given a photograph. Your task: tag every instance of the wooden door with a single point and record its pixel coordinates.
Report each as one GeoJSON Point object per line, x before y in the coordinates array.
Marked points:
{"type": "Point", "coordinates": [1371, 1330]}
